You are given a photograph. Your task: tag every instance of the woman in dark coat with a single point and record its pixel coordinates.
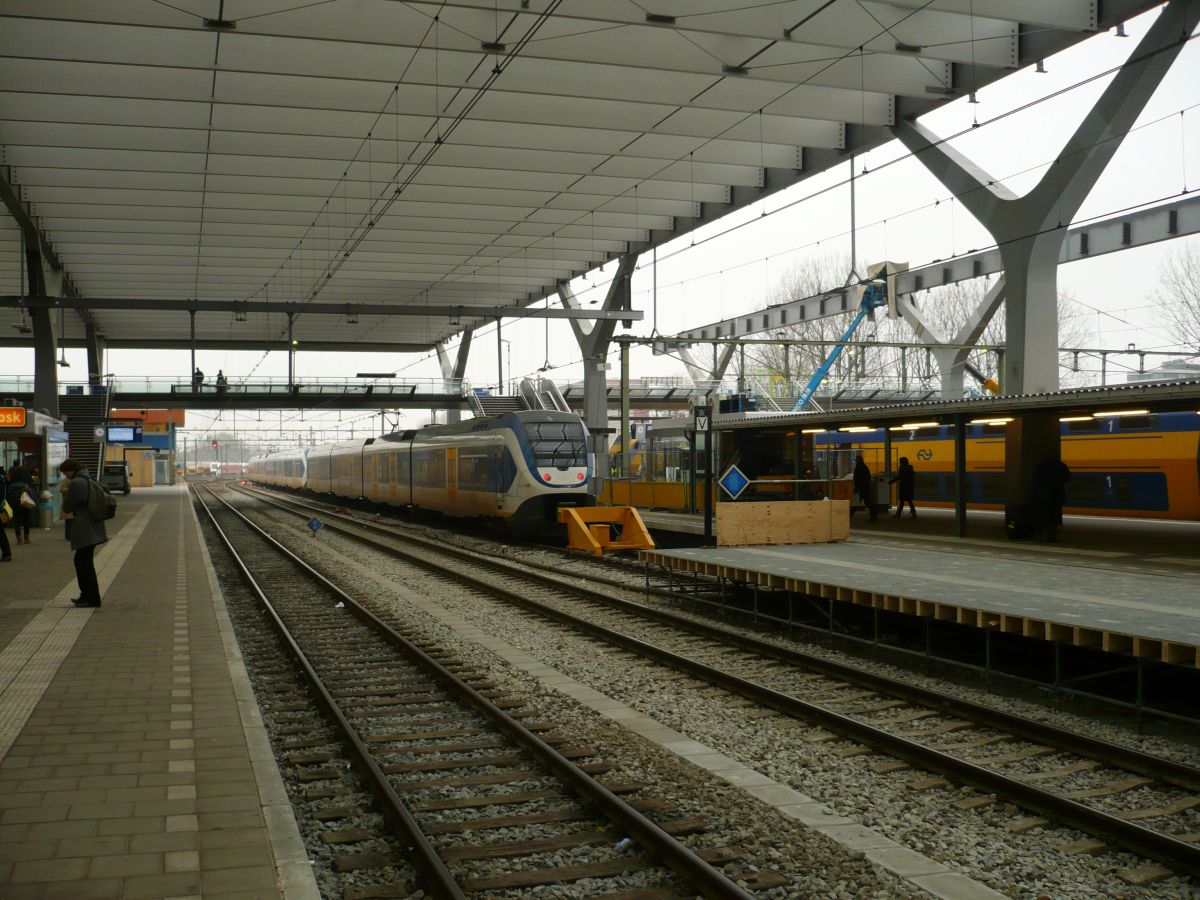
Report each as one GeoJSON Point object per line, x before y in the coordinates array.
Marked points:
{"type": "Point", "coordinates": [905, 479]}
{"type": "Point", "coordinates": [20, 481]}
{"type": "Point", "coordinates": [862, 485]}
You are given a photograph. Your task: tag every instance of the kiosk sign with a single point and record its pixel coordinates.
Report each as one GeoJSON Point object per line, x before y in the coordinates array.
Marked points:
{"type": "Point", "coordinates": [12, 417]}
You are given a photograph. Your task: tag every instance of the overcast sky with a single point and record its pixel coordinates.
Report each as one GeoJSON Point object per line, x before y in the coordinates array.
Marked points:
{"type": "Point", "coordinates": [902, 214]}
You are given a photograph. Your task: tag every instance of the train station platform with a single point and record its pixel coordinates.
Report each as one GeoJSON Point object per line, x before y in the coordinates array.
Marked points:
{"type": "Point", "coordinates": [1120, 586]}
{"type": "Point", "coordinates": [133, 761]}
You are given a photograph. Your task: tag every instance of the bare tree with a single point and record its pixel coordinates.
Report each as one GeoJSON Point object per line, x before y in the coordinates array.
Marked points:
{"type": "Point", "coordinates": [780, 369]}
{"type": "Point", "coordinates": [1178, 293]}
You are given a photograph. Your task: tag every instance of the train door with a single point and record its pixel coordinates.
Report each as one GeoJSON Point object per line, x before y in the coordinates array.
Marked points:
{"type": "Point", "coordinates": [452, 475]}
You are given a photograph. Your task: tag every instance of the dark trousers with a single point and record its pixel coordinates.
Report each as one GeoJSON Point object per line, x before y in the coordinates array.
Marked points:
{"type": "Point", "coordinates": [85, 574]}
{"type": "Point", "coordinates": [5, 546]}
{"type": "Point", "coordinates": [22, 519]}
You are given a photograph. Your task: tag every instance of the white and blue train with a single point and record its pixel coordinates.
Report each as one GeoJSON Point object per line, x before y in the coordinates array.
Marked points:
{"type": "Point", "coordinates": [517, 469]}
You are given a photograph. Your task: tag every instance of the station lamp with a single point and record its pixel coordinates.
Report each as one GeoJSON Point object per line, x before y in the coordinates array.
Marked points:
{"type": "Point", "coordinates": [823, 430]}
{"type": "Point", "coordinates": [1123, 412]}
{"type": "Point", "coordinates": [911, 426]}
{"type": "Point", "coordinates": [990, 421]}
{"type": "Point", "coordinates": [855, 429]}
{"type": "Point", "coordinates": [1076, 419]}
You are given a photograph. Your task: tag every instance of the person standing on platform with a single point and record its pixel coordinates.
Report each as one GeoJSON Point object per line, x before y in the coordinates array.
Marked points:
{"type": "Point", "coordinates": [862, 484]}
{"type": "Point", "coordinates": [197, 379]}
{"type": "Point", "coordinates": [20, 482]}
{"type": "Point", "coordinates": [87, 530]}
{"type": "Point", "coordinates": [905, 479]}
{"type": "Point", "coordinates": [222, 383]}
{"type": "Point", "coordinates": [1050, 479]}
{"type": "Point", "coordinates": [5, 546]}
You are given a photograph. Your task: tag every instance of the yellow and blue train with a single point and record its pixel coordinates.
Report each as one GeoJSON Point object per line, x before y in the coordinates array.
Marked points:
{"type": "Point", "coordinates": [517, 469]}
{"type": "Point", "coordinates": [1145, 466]}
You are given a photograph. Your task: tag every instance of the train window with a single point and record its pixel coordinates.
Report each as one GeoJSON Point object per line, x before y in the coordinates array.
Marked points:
{"type": "Point", "coordinates": [429, 468]}
{"type": "Point", "coordinates": [557, 444]}
{"type": "Point", "coordinates": [987, 429]}
{"type": "Point", "coordinates": [1137, 423]}
{"type": "Point", "coordinates": [477, 468]}
{"type": "Point", "coordinates": [1085, 425]}
{"type": "Point", "coordinates": [990, 488]}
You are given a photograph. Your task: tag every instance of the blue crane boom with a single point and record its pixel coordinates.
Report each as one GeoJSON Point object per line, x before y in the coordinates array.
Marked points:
{"type": "Point", "coordinates": [874, 296]}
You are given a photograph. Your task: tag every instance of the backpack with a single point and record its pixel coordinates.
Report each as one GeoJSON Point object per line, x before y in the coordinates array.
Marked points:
{"type": "Point", "coordinates": [101, 504]}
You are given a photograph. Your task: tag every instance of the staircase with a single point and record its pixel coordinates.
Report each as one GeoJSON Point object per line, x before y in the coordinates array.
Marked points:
{"type": "Point", "coordinates": [83, 413]}
{"type": "Point", "coordinates": [495, 406]}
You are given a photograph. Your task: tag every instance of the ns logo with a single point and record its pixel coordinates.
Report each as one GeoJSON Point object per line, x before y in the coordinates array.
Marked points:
{"type": "Point", "coordinates": [925, 454]}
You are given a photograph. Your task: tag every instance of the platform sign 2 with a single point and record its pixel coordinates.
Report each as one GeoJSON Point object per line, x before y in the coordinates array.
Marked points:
{"type": "Point", "coordinates": [733, 482]}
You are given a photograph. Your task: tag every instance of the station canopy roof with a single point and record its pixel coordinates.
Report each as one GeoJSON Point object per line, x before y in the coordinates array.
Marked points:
{"type": "Point", "coordinates": [459, 154]}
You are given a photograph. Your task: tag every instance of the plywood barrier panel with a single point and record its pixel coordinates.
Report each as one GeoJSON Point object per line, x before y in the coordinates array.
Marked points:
{"type": "Point", "coordinates": [782, 522]}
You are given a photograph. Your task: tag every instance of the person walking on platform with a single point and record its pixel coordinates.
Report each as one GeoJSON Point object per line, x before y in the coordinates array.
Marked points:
{"type": "Point", "coordinates": [87, 530]}
{"type": "Point", "coordinates": [5, 546]}
{"type": "Point", "coordinates": [862, 485]}
{"type": "Point", "coordinates": [905, 479]}
{"type": "Point", "coordinates": [20, 483]}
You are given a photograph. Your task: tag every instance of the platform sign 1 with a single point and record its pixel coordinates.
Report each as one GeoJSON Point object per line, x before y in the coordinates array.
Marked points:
{"type": "Point", "coordinates": [733, 482]}
{"type": "Point", "coordinates": [314, 525]}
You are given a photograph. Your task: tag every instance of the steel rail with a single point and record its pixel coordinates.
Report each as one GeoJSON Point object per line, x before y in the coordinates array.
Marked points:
{"type": "Point", "coordinates": [439, 879]}
{"type": "Point", "coordinates": [709, 881]}
{"type": "Point", "coordinates": [1144, 841]}
{"type": "Point", "coordinates": [1179, 774]}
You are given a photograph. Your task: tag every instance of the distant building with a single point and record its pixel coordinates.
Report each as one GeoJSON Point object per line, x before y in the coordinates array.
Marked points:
{"type": "Point", "coordinates": [1173, 370]}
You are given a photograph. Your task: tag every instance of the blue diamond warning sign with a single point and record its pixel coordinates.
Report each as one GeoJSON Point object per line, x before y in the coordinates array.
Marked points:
{"type": "Point", "coordinates": [734, 482]}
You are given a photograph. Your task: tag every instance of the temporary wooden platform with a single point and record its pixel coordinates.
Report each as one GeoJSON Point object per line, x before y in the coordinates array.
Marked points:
{"type": "Point", "coordinates": [1067, 598]}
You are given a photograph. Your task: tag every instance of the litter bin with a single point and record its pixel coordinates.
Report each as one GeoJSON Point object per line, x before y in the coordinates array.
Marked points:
{"type": "Point", "coordinates": [45, 510]}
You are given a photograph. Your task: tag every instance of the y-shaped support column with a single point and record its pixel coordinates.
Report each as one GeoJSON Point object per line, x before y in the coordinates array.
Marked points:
{"type": "Point", "coordinates": [704, 379]}
{"type": "Point", "coordinates": [46, 282]}
{"type": "Point", "coordinates": [952, 361]}
{"type": "Point", "coordinates": [453, 372]}
{"type": "Point", "coordinates": [594, 337]}
{"type": "Point", "coordinates": [1030, 230]}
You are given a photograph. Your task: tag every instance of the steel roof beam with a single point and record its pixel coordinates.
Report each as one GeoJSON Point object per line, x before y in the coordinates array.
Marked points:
{"type": "Point", "coordinates": [463, 311]}
{"type": "Point", "coordinates": [14, 342]}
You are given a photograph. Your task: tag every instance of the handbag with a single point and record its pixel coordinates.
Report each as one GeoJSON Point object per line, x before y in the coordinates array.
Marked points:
{"type": "Point", "coordinates": [6, 512]}
{"type": "Point", "coordinates": [27, 501]}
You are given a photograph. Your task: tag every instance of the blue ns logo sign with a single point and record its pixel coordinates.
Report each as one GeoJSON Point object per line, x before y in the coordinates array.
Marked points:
{"type": "Point", "coordinates": [925, 454]}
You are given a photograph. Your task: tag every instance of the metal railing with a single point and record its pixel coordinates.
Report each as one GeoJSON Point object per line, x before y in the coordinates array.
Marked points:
{"type": "Point", "coordinates": [154, 384]}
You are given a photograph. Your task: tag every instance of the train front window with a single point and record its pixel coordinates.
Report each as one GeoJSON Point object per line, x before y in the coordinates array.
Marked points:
{"type": "Point", "coordinates": [557, 444]}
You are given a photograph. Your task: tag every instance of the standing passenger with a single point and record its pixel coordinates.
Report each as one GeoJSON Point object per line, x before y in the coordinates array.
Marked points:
{"type": "Point", "coordinates": [862, 484]}
{"type": "Point", "coordinates": [5, 547]}
{"type": "Point", "coordinates": [87, 530]}
{"type": "Point", "coordinates": [20, 482]}
{"type": "Point", "coordinates": [906, 479]}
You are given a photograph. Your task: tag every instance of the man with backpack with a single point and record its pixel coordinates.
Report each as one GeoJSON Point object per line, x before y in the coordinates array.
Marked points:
{"type": "Point", "coordinates": [91, 504]}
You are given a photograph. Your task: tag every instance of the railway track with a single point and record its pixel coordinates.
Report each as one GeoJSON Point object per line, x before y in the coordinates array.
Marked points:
{"type": "Point", "coordinates": [1123, 797]}
{"type": "Point", "coordinates": [449, 759]}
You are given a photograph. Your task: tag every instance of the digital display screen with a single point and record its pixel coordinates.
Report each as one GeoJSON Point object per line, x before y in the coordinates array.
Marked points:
{"type": "Point", "coordinates": [120, 434]}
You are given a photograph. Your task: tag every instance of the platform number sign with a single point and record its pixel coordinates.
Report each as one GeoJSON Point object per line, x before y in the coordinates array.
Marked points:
{"type": "Point", "coordinates": [701, 418]}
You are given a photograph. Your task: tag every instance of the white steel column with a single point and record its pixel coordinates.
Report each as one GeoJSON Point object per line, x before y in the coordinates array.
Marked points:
{"type": "Point", "coordinates": [594, 338]}
{"type": "Point", "coordinates": [1030, 229]}
{"type": "Point", "coordinates": [453, 372]}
